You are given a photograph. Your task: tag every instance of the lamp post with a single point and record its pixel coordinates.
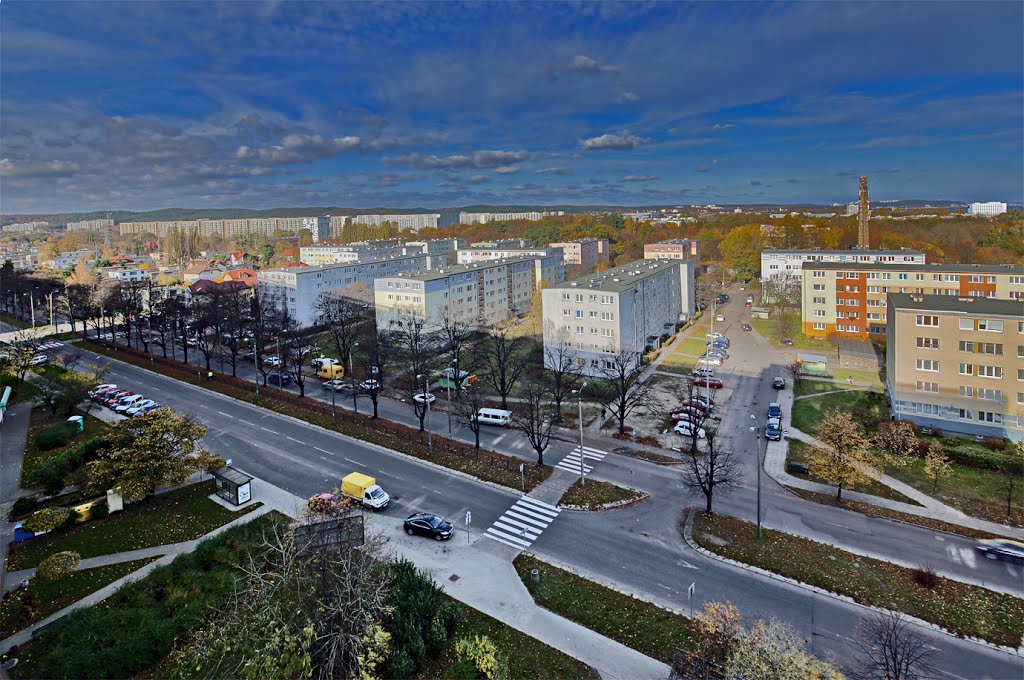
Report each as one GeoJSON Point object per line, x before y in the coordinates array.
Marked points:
{"type": "Point", "coordinates": [32, 305]}
{"type": "Point", "coordinates": [426, 403]}
{"type": "Point", "coordinates": [579, 400]}
{"type": "Point", "coordinates": [50, 296]}
{"type": "Point", "coordinates": [757, 452]}
{"type": "Point", "coordinates": [352, 377]}
{"type": "Point", "coordinates": [449, 398]}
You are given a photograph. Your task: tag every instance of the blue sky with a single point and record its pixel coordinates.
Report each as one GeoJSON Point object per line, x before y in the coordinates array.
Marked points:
{"type": "Point", "coordinates": [143, 105]}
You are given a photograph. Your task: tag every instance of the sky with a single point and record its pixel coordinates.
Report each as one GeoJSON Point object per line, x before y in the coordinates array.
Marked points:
{"type": "Point", "coordinates": [147, 105]}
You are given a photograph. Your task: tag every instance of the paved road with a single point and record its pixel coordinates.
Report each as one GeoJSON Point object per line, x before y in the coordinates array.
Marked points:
{"type": "Point", "coordinates": [638, 547]}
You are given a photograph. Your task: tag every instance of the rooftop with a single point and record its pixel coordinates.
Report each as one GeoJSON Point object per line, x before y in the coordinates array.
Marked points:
{"type": "Point", "coordinates": [340, 265]}
{"type": "Point", "coordinates": [621, 278]}
{"type": "Point", "coordinates": [934, 267]}
{"type": "Point", "coordinates": [957, 305]}
{"type": "Point", "coordinates": [435, 274]}
{"type": "Point", "coordinates": [817, 251]}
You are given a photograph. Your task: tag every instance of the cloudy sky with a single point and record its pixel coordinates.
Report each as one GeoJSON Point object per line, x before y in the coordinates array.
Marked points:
{"type": "Point", "coordinates": [143, 105]}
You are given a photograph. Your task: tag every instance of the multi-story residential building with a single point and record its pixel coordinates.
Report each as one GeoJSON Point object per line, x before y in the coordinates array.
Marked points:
{"type": "Point", "coordinates": [226, 229]}
{"type": "Point", "coordinates": [987, 209]}
{"type": "Point", "coordinates": [413, 222]}
{"type": "Point", "coordinates": [299, 289]}
{"type": "Point", "coordinates": [70, 259]}
{"type": "Point", "coordinates": [470, 255]}
{"type": "Point", "coordinates": [479, 294]}
{"type": "Point", "coordinates": [778, 263]}
{"type": "Point", "coordinates": [23, 227]}
{"type": "Point", "coordinates": [318, 256]}
{"type": "Point", "coordinates": [484, 218]}
{"type": "Point", "coordinates": [849, 299]}
{"type": "Point", "coordinates": [131, 272]}
{"type": "Point", "coordinates": [957, 363]}
{"type": "Point", "coordinates": [586, 253]}
{"type": "Point", "coordinates": [504, 243]}
{"type": "Point", "coordinates": [90, 225]}
{"type": "Point", "coordinates": [320, 227]}
{"type": "Point", "coordinates": [623, 309]}
{"type": "Point", "coordinates": [440, 247]}
{"type": "Point", "coordinates": [673, 249]}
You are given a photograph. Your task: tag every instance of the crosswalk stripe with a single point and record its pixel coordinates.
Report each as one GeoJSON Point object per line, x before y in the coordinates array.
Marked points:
{"type": "Point", "coordinates": [540, 504]}
{"type": "Point", "coordinates": [501, 538]}
{"type": "Point", "coordinates": [543, 509]}
{"type": "Point", "coordinates": [515, 516]}
{"type": "Point", "coordinates": [522, 524]}
{"type": "Point", "coordinates": [517, 529]}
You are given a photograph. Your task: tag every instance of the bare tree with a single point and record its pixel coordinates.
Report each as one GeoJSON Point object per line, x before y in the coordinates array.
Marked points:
{"type": "Point", "coordinates": [235, 310]}
{"type": "Point", "coordinates": [782, 292]}
{"type": "Point", "coordinates": [504, 358]}
{"type": "Point", "coordinates": [20, 352]}
{"type": "Point", "coordinates": [716, 470]}
{"type": "Point", "coordinates": [416, 354]}
{"type": "Point", "coordinates": [888, 648]}
{"type": "Point", "coordinates": [562, 370]}
{"type": "Point", "coordinates": [266, 325]}
{"type": "Point", "coordinates": [474, 398]}
{"type": "Point", "coordinates": [378, 350]}
{"type": "Point", "coordinates": [456, 340]}
{"type": "Point", "coordinates": [532, 415]}
{"type": "Point", "coordinates": [623, 390]}
{"type": "Point", "coordinates": [75, 304]}
{"type": "Point", "coordinates": [295, 354]}
{"type": "Point", "coordinates": [343, 319]}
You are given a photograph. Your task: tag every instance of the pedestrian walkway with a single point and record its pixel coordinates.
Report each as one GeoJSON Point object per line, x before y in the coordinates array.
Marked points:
{"type": "Point", "coordinates": [523, 523]}
{"type": "Point", "coordinates": [573, 461]}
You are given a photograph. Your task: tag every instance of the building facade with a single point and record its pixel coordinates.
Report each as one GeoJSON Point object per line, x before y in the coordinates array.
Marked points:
{"type": "Point", "coordinates": [319, 256]}
{"type": "Point", "coordinates": [586, 254]}
{"type": "Point", "coordinates": [224, 229]}
{"type": "Point", "coordinates": [90, 225]}
{"type": "Point", "coordinates": [778, 263]}
{"type": "Point", "coordinates": [413, 222]}
{"type": "Point", "coordinates": [484, 218]}
{"type": "Point", "coordinates": [957, 363]}
{"type": "Point", "coordinates": [673, 249]}
{"type": "Point", "coordinates": [470, 255]}
{"type": "Point", "coordinates": [320, 227]}
{"type": "Point", "coordinates": [987, 209]}
{"type": "Point", "coordinates": [849, 299]}
{"type": "Point", "coordinates": [23, 227]}
{"type": "Point", "coordinates": [623, 309]}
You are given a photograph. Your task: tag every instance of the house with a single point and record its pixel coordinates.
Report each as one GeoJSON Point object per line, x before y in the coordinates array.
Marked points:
{"type": "Point", "coordinates": [245, 275]}
{"type": "Point", "coordinates": [203, 268]}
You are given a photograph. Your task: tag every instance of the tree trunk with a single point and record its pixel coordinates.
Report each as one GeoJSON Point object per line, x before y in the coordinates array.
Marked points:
{"type": "Point", "coordinates": [540, 457]}
{"type": "Point", "coordinates": [476, 432]}
{"type": "Point", "coordinates": [708, 497]}
{"type": "Point", "coordinates": [374, 400]}
{"type": "Point", "coordinates": [839, 493]}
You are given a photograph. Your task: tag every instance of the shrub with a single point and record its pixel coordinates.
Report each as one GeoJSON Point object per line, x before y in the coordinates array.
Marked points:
{"type": "Point", "coordinates": [56, 435]}
{"type": "Point", "coordinates": [59, 565]}
{"type": "Point", "coordinates": [448, 615]}
{"type": "Point", "coordinates": [24, 506]}
{"type": "Point", "coordinates": [995, 443]}
{"type": "Point", "coordinates": [482, 653]}
{"type": "Point", "coordinates": [414, 601]}
{"type": "Point", "coordinates": [99, 510]}
{"type": "Point", "coordinates": [47, 519]}
{"type": "Point", "coordinates": [51, 472]}
{"type": "Point", "coordinates": [926, 577]}
{"type": "Point", "coordinates": [401, 666]}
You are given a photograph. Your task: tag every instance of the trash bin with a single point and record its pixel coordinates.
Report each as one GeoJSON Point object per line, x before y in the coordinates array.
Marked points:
{"type": "Point", "coordinates": [785, 435]}
{"type": "Point", "coordinates": [79, 421]}
{"type": "Point", "coordinates": [535, 575]}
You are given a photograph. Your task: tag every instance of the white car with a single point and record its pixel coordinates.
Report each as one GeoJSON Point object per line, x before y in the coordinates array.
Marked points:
{"type": "Point", "coordinates": [424, 398]}
{"type": "Point", "coordinates": [102, 388]}
{"type": "Point", "coordinates": [274, 361]}
{"type": "Point", "coordinates": [715, 335]}
{"type": "Point", "coordinates": [369, 385]}
{"type": "Point", "coordinates": [710, 361]}
{"type": "Point", "coordinates": [128, 402]}
{"type": "Point", "coordinates": [719, 317]}
{"type": "Point", "coordinates": [138, 406]}
{"type": "Point", "coordinates": [39, 360]}
{"type": "Point", "coordinates": [336, 385]}
{"type": "Point", "coordinates": [686, 429]}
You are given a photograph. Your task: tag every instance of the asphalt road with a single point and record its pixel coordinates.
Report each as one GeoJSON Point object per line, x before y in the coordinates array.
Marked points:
{"type": "Point", "coordinates": [637, 547]}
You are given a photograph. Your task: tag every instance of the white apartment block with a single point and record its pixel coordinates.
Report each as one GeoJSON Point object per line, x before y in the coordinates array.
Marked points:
{"type": "Point", "coordinates": [987, 209]}
{"type": "Point", "coordinates": [319, 256]}
{"type": "Point", "coordinates": [413, 222]}
{"type": "Point", "coordinates": [299, 289]}
{"type": "Point", "coordinates": [484, 218]}
{"type": "Point", "coordinates": [585, 254]}
{"type": "Point", "coordinates": [23, 227]}
{"type": "Point", "coordinates": [130, 273]}
{"type": "Point", "coordinates": [440, 247]}
{"type": "Point", "coordinates": [225, 229]}
{"type": "Point", "coordinates": [71, 259]}
{"type": "Point", "coordinates": [622, 309]}
{"type": "Point", "coordinates": [479, 295]}
{"type": "Point", "coordinates": [320, 227]}
{"type": "Point", "coordinates": [775, 263]}
{"type": "Point", "coordinates": [470, 255]}
{"type": "Point", "coordinates": [90, 225]}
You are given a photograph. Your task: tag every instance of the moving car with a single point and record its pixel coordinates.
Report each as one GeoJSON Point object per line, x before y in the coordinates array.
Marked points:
{"type": "Point", "coordinates": [427, 398]}
{"type": "Point", "coordinates": [779, 383]}
{"type": "Point", "coordinates": [272, 360]}
{"type": "Point", "coordinates": [713, 383]}
{"type": "Point", "coordinates": [279, 379]}
{"type": "Point", "coordinates": [1001, 549]}
{"type": "Point", "coordinates": [336, 385]}
{"type": "Point", "coordinates": [369, 385]}
{"type": "Point", "coordinates": [331, 372]}
{"type": "Point", "coordinates": [39, 360]}
{"type": "Point", "coordinates": [773, 430]}
{"type": "Point", "coordinates": [687, 429]}
{"type": "Point", "coordinates": [746, 327]}
{"type": "Point", "coordinates": [774, 410]}
{"type": "Point", "coordinates": [494, 416]}
{"type": "Point", "coordinates": [428, 525]}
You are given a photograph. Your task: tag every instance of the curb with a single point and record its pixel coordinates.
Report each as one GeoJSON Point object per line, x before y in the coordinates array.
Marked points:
{"type": "Point", "coordinates": [688, 537]}
{"type": "Point", "coordinates": [614, 505]}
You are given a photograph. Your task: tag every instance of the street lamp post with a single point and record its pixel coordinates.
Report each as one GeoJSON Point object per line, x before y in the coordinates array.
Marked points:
{"type": "Point", "coordinates": [579, 399]}
{"type": "Point", "coordinates": [426, 403]}
{"type": "Point", "coordinates": [352, 377]}
{"type": "Point", "coordinates": [32, 305]}
{"type": "Point", "coordinates": [50, 296]}
{"type": "Point", "coordinates": [449, 398]}
{"type": "Point", "coordinates": [757, 452]}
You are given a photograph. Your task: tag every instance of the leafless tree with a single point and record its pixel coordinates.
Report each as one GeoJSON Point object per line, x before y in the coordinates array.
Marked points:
{"type": "Point", "coordinates": [20, 352]}
{"type": "Point", "coordinates": [416, 354]}
{"type": "Point", "coordinates": [562, 370]}
{"type": "Point", "coordinates": [474, 398]}
{"type": "Point", "coordinates": [622, 389]}
{"type": "Point", "coordinates": [888, 648]}
{"type": "Point", "coordinates": [295, 353]}
{"type": "Point", "coordinates": [456, 341]}
{"type": "Point", "coordinates": [267, 325]}
{"type": "Point", "coordinates": [378, 351]}
{"type": "Point", "coordinates": [343, 318]}
{"type": "Point", "coordinates": [782, 292]}
{"type": "Point", "coordinates": [532, 415]}
{"type": "Point", "coordinates": [717, 469]}
{"type": "Point", "coordinates": [504, 359]}
{"type": "Point", "coordinates": [235, 310]}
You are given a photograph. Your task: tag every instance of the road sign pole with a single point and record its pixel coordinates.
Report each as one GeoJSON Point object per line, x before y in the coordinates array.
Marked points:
{"type": "Point", "coordinates": [469, 520]}
{"type": "Point", "coordinates": [522, 475]}
{"type": "Point", "coordinates": [689, 596]}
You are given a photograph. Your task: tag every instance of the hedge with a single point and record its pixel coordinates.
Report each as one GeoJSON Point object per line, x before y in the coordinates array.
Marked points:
{"type": "Point", "coordinates": [51, 472]}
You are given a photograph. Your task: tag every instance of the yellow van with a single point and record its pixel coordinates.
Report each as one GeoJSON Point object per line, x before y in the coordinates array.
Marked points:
{"type": "Point", "coordinates": [331, 372]}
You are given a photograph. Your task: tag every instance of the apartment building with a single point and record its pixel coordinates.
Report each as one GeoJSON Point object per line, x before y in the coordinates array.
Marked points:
{"type": "Point", "coordinates": [439, 247]}
{"type": "Point", "coordinates": [485, 217]}
{"type": "Point", "coordinates": [622, 309]}
{"type": "Point", "coordinates": [849, 299]}
{"type": "Point", "coordinates": [23, 227]}
{"type": "Point", "coordinates": [673, 249]}
{"type": "Point", "coordinates": [90, 225]}
{"type": "Point", "coordinates": [225, 229]}
{"type": "Point", "coordinates": [319, 256]}
{"type": "Point", "coordinates": [987, 209]}
{"type": "Point", "coordinates": [413, 222]}
{"type": "Point", "coordinates": [478, 294]}
{"type": "Point", "coordinates": [585, 254]}
{"type": "Point", "coordinates": [299, 289]}
{"type": "Point", "coordinates": [957, 363]}
{"type": "Point", "coordinates": [320, 227]}
{"type": "Point", "coordinates": [775, 263]}
{"type": "Point", "coordinates": [470, 255]}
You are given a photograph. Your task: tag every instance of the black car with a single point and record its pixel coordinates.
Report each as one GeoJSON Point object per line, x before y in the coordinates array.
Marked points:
{"type": "Point", "coordinates": [746, 327]}
{"type": "Point", "coordinates": [249, 356]}
{"type": "Point", "coordinates": [280, 379]}
{"type": "Point", "coordinates": [788, 342]}
{"type": "Point", "coordinates": [428, 525]}
{"type": "Point", "coordinates": [996, 548]}
{"type": "Point", "coordinates": [779, 384]}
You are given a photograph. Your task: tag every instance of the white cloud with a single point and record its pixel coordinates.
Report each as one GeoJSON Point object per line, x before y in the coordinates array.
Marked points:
{"type": "Point", "coordinates": [638, 178]}
{"type": "Point", "coordinates": [621, 141]}
{"type": "Point", "coordinates": [627, 97]}
{"type": "Point", "coordinates": [585, 64]}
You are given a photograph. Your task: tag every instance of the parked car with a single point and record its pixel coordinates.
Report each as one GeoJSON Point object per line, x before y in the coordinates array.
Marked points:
{"type": "Point", "coordinates": [716, 352]}
{"type": "Point", "coordinates": [773, 430]}
{"type": "Point", "coordinates": [746, 327]}
{"type": "Point", "coordinates": [249, 356]}
{"type": "Point", "coordinates": [779, 383]}
{"type": "Point", "coordinates": [39, 360]}
{"type": "Point", "coordinates": [713, 383]}
{"type": "Point", "coordinates": [427, 398]}
{"type": "Point", "coordinates": [788, 342]}
{"type": "Point", "coordinates": [145, 409]}
{"type": "Point", "coordinates": [428, 525]}
{"type": "Point", "coordinates": [697, 404]}
{"type": "Point", "coordinates": [710, 361]}
{"type": "Point", "coordinates": [272, 360]}
{"type": "Point", "coordinates": [279, 379]}
{"type": "Point", "coordinates": [138, 406]}
{"type": "Point", "coordinates": [703, 373]}
{"type": "Point", "coordinates": [714, 335]}
{"type": "Point", "coordinates": [128, 402]}
{"type": "Point", "coordinates": [112, 398]}
{"type": "Point", "coordinates": [337, 385]}
{"type": "Point", "coordinates": [743, 287]}
{"type": "Point", "coordinates": [690, 415]}
{"type": "Point", "coordinates": [687, 429]}
{"type": "Point", "coordinates": [101, 395]}
{"type": "Point", "coordinates": [1001, 549]}
{"type": "Point", "coordinates": [102, 388]}
{"type": "Point", "coordinates": [748, 303]}
{"type": "Point", "coordinates": [703, 399]}
{"type": "Point", "coordinates": [720, 343]}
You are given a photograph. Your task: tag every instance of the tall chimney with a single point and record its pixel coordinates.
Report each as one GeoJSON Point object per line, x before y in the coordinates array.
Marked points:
{"type": "Point", "coordinates": [863, 240]}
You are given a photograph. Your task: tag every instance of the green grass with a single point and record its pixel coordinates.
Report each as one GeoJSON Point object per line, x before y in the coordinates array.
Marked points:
{"type": "Point", "coordinates": [94, 427]}
{"type": "Point", "coordinates": [800, 452]}
{"type": "Point", "coordinates": [643, 626]}
{"type": "Point", "coordinates": [25, 606]}
{"type": "Point", "coordinates": [526, 658]}
{"type": "Point", "coordinates": [596, 494]}
{"type": "Point", "coordinates": [766, 329]}
{"type": "Point", "coordinates": [807, 413]}
{"type": "Point", "coordinates": [14, 321]}
{"type": "Point", "coordinates": [180, 515]}
{"type": "Point", "coordinates": [958, 607]}
{"type": "Point", "coordinates": [693, 346]}
{"type": "Point", "coordinates": [805, 387]}
{"type": "Point", "coordinates": [677, 363]}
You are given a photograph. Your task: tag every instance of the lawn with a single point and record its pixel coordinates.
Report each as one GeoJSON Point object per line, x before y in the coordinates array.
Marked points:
{"type": "Point", "coordinates": [94, 427]}
{"type": "Point", "coordinates": [807, 413]}
{"type": "Point", "coordinates": [766, 328]}
{"type": "Point", "coordinates": [958, 607]}
{"type": "Point", "coordinates": [643, 626]}
{"type": "Point", "coordinates": [24, 606]}
{"type": "Point", "coordinates": [800, 452]}
{"type": "Point", "coordinates": [678, 363]}
{"type": "Point", "coordinates": [805, 388]}
{"type": "Point", "coordinates": [595, 494]}
{"type": "Point", "coordinates": [693, 346]}
{"type": "Point", "coordinates": [527, 658]}
{"type": "Point", "coordinates": [179, 515]}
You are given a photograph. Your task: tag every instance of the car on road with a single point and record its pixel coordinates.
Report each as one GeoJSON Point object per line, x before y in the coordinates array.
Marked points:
{"type": "Point", "coordinates": [686, 429]}
{"type": "Point", "coordinates": [138, 406]}
{"type": "Point", "coordinates": [337, 385]}
{"type": "Point", "coordinates": [279, 379]}
{"type": "Point", "coordinates": [746, 327]}
{"type": "Point", "coordinates": [272, 360]}
{"type": "Point", "coordinates": [370, 385]}
{"type": "Point", "coordinates": [719, 317]}
{"type": "Point", "coordinates": [39, 360]}
{"type": "Point", "coordinates": [715, 335]}
{"type": "Point", "coordinates": [431, 526]}
{"type": "Point", "coordinates": [1001, 549]}
{"type": "Point", "coordinates": [773, 429]}
{"type": "Point", "coordinates": [713, 383]}
{"type": "Point", "coordinates": [779, 383]}
{"type": "Point", "coordinates": [421, 398]}
{"type": "Point", "coordinates": [249, 356]}
{"type": "Point", "coordinates": [788, 342]}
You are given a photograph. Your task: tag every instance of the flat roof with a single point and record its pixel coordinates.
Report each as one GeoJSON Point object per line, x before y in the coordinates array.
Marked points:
{"type": "Point", "coordinates": [435, 274]}
{"type": "Point", "coordinates": [627, 275]}
{"type": "Point", "coordinates": [953, 304]}
{"type": "Point", "coordinates": [934, 267]}
{"type": "Point", "coordinates": [338, 265]}
{"type": "Point", "coordinates": [841, 252]}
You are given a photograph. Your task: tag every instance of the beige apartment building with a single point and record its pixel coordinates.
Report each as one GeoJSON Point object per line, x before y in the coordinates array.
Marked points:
{"type": "Point", "coordinates": [957, 363]}
{"type": "Point", "coordinates": [849, 299]}
{"type": "Point", "coordinates": [586, 254]}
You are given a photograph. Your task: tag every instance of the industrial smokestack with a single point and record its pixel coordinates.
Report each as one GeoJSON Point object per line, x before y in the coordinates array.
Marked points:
{"type": "Point", "coordinates": [863, 240]}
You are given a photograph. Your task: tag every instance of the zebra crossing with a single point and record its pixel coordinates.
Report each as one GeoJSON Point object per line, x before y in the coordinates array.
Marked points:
{"type": "Point", "coordinates": [571, 462]}
{"type": "Point", "coordinates": [523, 523]}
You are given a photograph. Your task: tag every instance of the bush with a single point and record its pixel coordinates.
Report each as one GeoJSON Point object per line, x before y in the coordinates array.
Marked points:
{"type": "Point", "coordinates": [966, 454]}
{"type": "Point", "coordinates": [415, 601]}
{"type": "Point", "coordinates": [24, 506]}
{"type": "Point", "coordinates": [56, 435]}
{"type": "Point", "coordinates": [51, 472]}
{"type": "Point", "coordinates": [449, 615]}
{"type": "Point", "coordinates": [48, 519]}
{"type": "Point", "coordinates": [926, 577]}
{"type": "Point", "coordinates": [99, 510]}
{"type": "Point", "coordinates": [58, 566]}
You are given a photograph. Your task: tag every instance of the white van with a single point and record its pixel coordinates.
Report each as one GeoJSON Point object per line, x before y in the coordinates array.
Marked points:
{"type": "Point", "coordinates": [494, 416]}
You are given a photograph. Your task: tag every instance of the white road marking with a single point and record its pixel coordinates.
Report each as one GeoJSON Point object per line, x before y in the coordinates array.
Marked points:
{"type": "Point", "coordinates": [268, 430]}
{"type": "Point", "coordinates": [293, 439]}
{"type": "Point", "coordinates": [330, 453]}
{"type": "Point", "coordinates": [523, 523]}
{"type": "Point", "coordinates": [354, 462]}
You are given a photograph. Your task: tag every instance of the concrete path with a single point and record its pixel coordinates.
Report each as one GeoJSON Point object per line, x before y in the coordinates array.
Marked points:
{"type": "Point", "coordinates": [13, 436]}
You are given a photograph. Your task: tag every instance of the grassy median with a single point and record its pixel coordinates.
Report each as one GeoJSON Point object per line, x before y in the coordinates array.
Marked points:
{"type": "Point", "coordinates": [595, 495]}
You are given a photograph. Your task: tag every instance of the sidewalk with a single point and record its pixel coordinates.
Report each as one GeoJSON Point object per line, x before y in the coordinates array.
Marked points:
{"type": "Point", "coordinates": [13, 436]}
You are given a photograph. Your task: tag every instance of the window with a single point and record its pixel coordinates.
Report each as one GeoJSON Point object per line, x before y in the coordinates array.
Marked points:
{"type": "Point", "coordinates": [1020, 327]}
{"type": "Point", "coordinates": [818, 326]}
{"type": "Point", "coordinates": [991, 325]}
{"type": "Point", "coordinates": [927, 320]}
{"type": "Point", "coordinates": [1020, 397]}
{"type": "Point", "coordinates": [874, 316]}
{"type": "Point", "coordinates": [1020, 351]}
{"type": "Point", "coordinates": [566, 297]}
{"type": "Point", "coordinates": [923, 386]}
{"type": "Point", "coordinates": [928, 365]}
{"type": "Point", "coordinates": [966, 346]}
{"type": "Point", "coordinates": [967, 324]}
{"type": "Point", "coordinates": [965, 414]}
{"type": "Point", "coordinates": [928, 343]}
{"type": "Point", "coordinates": [873, 289]}
{"type": "Point", "coordinates": [990, 394]}
{"type": "Point", "coordinates": [928, 409]}
{"type": "Point", "coordinates": [840, 275]}
{"type": "Point", "coordinates": [990, 417]}
{"type": "Point", "coordinates": [903, 277]}
{"type": "Point", "coordinates": [966, 369]}
{"type": "Point", "coordinates": [819, 275]}
{"type": "Point", "coordinates": [818, 300]}
{"type": "Point", "coordinates": [1020, 374]}
{"type": "Point", "coordinates": [919, 277]}
{"type": "Point", "coordinates": [993, 348]}
{"type": "Point", "coordinates": [989, 371]}
{"type": "Point", "coordinates": [966, 391]}
{"type": "Point", "coordinates": [819, 312]}
{"type": "Point", "coordinates": [579, 313]}
{"type": "Point", "coordinates": [606, 299]}
{"type": "Point", "coordinates": [579, 330]}
{"type": "Point", "coordinates": [821, 287]}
